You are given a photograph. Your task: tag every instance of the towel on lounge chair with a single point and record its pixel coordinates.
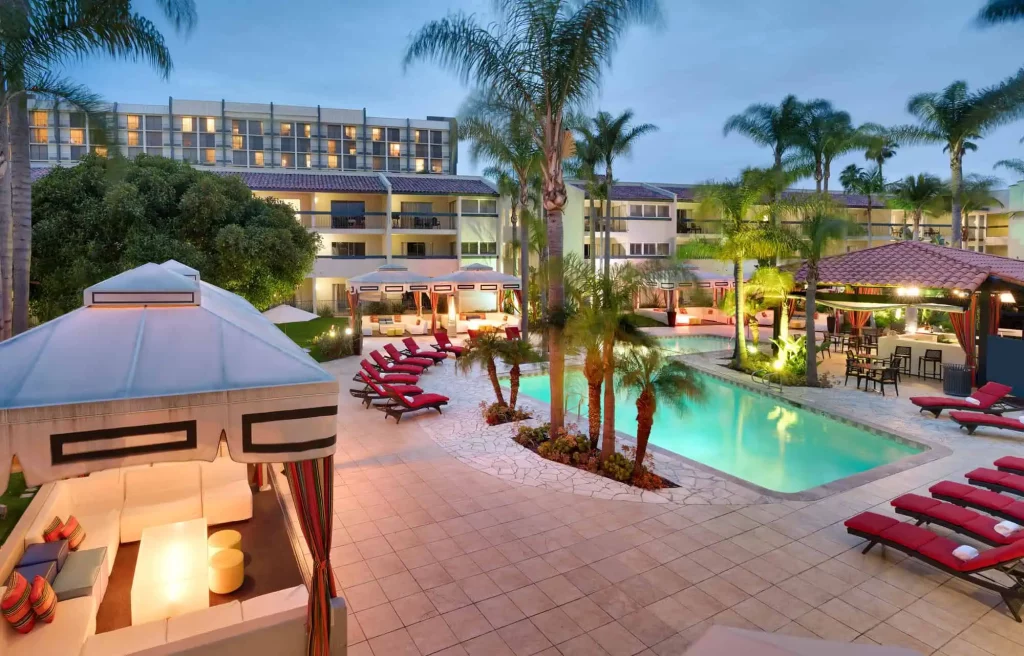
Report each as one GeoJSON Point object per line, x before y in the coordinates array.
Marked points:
{"type": "Point", "coordinates": [972, 400]}
{"type": "Point", "coordinates": [965, 552]}
{"type": "Point", "coordinates": [1006, 528]}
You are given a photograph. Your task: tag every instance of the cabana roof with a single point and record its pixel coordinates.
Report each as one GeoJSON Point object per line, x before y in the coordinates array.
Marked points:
{"type": "Point", "coordinates": [389, 278]}
{"type": "Point", "coordinates": [916, 264]}
{"type": "Point", "coordinates": [475, 276]}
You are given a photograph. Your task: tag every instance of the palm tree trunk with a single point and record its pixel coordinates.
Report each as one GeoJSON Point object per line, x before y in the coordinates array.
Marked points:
{"type": "Point", "coordinates": [740, 352]}
{"type": "Point", "coordinates": [869, 220]}
{"type": "Point", "coordinates": [515, 256]}
{"type": "Point", "coordinates": [513, 385]}
{"type": "Point", "coordinates": [608, 218]}
{"type": "Point", "coordinates": [593, 236]}
{"type": "Point", "coordinates": [21, 212]}
{"type": "Point", "coordinates": [784, 319]}
{"type": "Point", "coordinates": [6, 254]}
{"type": "Point", "coordinates": [956, 174]}
{"type": "Point", "coordinates": [492, 373]}
{"type": "Point", "coordinates": [812, 351]}
{"type": "Point", "coordinates": [817, 176]}
{"type": "Point", "coordinates": [917, 224]}
{"type": "Point", "coordinates": [826, 174]}
{"type": "Point", "coordinates": [594, 380]}
{"type": "Point", "coordinates": [608, 430]}
{"type": "Point", "coordinates": [554, 202]}
{"type": "Point", "coordinates": [524, 258]}
{"type": "Point", "coordinates": [644, 421]}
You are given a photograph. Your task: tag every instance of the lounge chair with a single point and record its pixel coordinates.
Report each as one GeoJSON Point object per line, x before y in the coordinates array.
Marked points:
{"type": "Point", "coordinates": [997, 481]}
{"type": "Point", "coordinates": [993, 503]}
{"type": "Point", "coordinates": [413, 349]}
{"type": "Point", "coordinates": [1011, 464]}
{"type": "Point", "coordinates": [937, 551]}
{"type": "Point", "coordinates": [473, 334]}
{"type": "Point", "coordinates": [973, 420]}
{"type": "Point", "coordinates": [399, 404]}
{"type": "Point", "coordinates": [512, 332]}
{"type": "Point", "coordinates": [399, 379]}
{"type": "Point", "coordinates": [371, 392]}
{"type": "Point", "coordinates": [989, 396]}
{"type": "Point", "coordinates": [397, 357]}
{"type": "Point", "coordinates": [444, 344]}
{"type": "Point", "coordinates": [959, 520]}
{"type": "Point", "coordinates": [391, 367]}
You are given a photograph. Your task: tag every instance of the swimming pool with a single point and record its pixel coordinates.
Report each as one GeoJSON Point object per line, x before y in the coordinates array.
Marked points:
{"type": "Point", "coordinates": [685, 344]}
{"type": "Point", "coordinates": [751, 436]}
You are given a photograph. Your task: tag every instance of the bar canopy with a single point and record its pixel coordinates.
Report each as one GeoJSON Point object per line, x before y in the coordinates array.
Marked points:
{"type": "Point", "coordinates": [479, 277]}
{"type": "Point", "coordinates": [154, 367]}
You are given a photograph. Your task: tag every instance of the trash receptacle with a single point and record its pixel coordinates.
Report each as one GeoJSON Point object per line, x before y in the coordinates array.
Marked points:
{"type": "Point", "coordinates": [956, 380]}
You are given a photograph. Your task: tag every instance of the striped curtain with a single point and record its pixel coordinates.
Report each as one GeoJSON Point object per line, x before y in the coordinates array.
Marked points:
{"type": "Point", "coordinates": [433, 312]}
{"type": "Point", "coordinates": [312, 486]}
{"type": "Point", "coordinates": [860, 319]}
{"type": "Point", "coordinates": [518, 293]}
{"type": "Point", "coordinates": [963, 327]}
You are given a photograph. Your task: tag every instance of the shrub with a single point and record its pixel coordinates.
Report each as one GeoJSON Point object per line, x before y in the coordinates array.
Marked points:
{"type": "Point", "coordinates": [532, 437]}
{"type": "Point", "coordinates": [619, 467]}
{"type": "Point", "coordinates": [331, 345]}
{"type": "Point", "coordinates": [325, 311]}
{"type": "Point", "coordinates": [501, 413]}
{"type": "Point", "coordinates": [382, 307]}
{"type": "Point", "coordinates": [645, 478]}
{"type": "Point", "coordinates": [565, 449]}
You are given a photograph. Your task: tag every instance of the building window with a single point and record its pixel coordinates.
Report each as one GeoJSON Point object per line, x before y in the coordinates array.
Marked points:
{"type": "Point", "coordinates": [134, 138]}
{"type": "Point", "coordinates": [416, 249]}
{"type": "Point", "coordinates": [76, 136]}
{"type": "Point", "coordinates": [247, 142]}
{"type": "Point", "coordinates": [394, 164]}
{"type": "Point", "coordinates": [350, 132]}
{"type": "Point", "coordinates": [350, 162]}
{"type": "Point", "coordinates": [435, 151]}
{"type": "Point", "coordinates": [209, 156]}
{"type": "Point", "coordinates": [286, 129]}
{"type": "Point", "coordinates": [482, 206]}
{"type": "Point", "coordinates": [394, 149]}
{"type": "Point", "coordinates": [40, 119]}
{"type": "Point", "coordinates": [333, 131]}
{"type": "Point", "coordinates": [378, 163]}
{"type": "Point", "coordinates": [470, 248]}
{"type": "Point", "coordinates": [209, 124]}
{"type": "Point", "coordinates": [39, 135]}
{"type": "Point", "coordinates": [288, 160]}
{"type": "Point", "coordinates": [436, 137]}
{"type": "Point", "coordinates": [422, 150]}
{"type": "Point", "coordinates": [435, 166]}
{"type": "Point", "coordinates": [100, 151]}
{"type": "Point", "coordinates": [332, 161]}
{"type": "Point", "coordinates": [379, 148]}
{"type": "Point", "coordinates": [421, 136]}
{"type": "Point", "coordinates": [154, 122]}
{"type": "Point", "coordinates": [348, 249]}
{"type": "Point", "coordinates": [38, 153]}
{"type": "Point", "coordinates": [154, 140]}
{"type": "Point", "coordinates": [377, 134]}
{"type": "Point", "coordinates": [256, 158]}
{"type": "Point", "coordinates": [76, 119]}
{"type": "Point", "coordinates": [188, 124]}
{"type": "Point", "coordinates": [421, 165]}
{"type": "Point", "coordinates": [649, 211]}
{"type": "Point", "coordinates": [134, 122]}
{"type": "Point", "coordinates": [649, 249]}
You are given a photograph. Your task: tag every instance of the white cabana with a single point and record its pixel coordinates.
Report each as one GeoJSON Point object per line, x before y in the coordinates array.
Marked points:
{"type": "Point", "coordinates": [157, 367]}
{"type": "Point", "coordinates": [390, 279]}
{"type": "Point", "coordinates": [473, 277]}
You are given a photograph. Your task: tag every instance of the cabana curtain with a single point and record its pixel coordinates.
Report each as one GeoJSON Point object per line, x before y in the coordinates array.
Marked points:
{"type": "Point", "coordinates": [963, 327]}
{"type": "Point", "coordinates": [860, 319]}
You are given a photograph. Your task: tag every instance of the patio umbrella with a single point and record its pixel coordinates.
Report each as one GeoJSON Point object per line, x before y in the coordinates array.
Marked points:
{"type": "Point", "coordinates": [288, 314]}
{"type": "Point", "coordinates": [727, 641]}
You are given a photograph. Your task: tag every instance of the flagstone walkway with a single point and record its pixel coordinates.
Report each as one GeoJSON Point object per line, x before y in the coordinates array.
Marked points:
{"type": "Point", "coordinates": [438, 551]}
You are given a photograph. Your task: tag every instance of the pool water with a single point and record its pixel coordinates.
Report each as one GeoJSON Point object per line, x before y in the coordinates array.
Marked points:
{"type": "Point", "coordinates": [686, 344]}
{"type": "Point", "coordinates": [751, 436]}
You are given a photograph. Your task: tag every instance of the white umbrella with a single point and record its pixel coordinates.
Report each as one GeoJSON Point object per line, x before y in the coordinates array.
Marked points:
{"type": "Point", "coordinates": [288, 314]}
{"type": "Point", "coordinates": [158, 367]}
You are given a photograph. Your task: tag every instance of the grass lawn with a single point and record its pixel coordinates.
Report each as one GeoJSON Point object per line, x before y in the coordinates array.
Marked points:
{"type": "Point", "coordinates": [642, 321]}
{"type": "Point", "coordinates": [303, 332]}
{"type": "Point", "coordinates": [15, 504]}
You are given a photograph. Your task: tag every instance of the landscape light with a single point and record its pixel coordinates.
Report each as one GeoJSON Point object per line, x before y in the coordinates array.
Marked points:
{"type": "Point", "coordinates": [751, 349]}
{"type": "Point", "coordinates": [778, 365]}
{"type": "Point", "coordinates": [348, 331]}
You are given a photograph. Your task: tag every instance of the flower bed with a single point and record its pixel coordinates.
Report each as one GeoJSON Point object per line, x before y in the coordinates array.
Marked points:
{"type": "Point", "coordinates": [573, 448]}
{"type": "Point", "coordinates": [496, 414]}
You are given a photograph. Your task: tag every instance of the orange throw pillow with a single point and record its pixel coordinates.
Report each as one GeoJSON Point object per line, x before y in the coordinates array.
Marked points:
{"type": "Point", "coordinates": [15, 606]}
{"type": "Point", "coordinates": [52, 531]}
{"type": "Point", "coordinates": [43, 600]}
{"type": "Point", "coordinates": [73, 533]}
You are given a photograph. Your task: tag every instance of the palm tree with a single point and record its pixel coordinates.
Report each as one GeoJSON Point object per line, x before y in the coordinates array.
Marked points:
{"type": "Point", "coordinates": [540, 59]}
{"type": "Point", "coordinates": [918, 195]}
{"type": "Point", "coordinates": [588, 156]}
{"type": "Point", "coordinates": [771, 126]}
{"type": "Point", "coordinates": [825, 134]}
{"type": "Point", "coordinates": [879, 144]}
{"type": "Point", "coordinates": [585, 334]}
{"type": "Point", "coordinates": [1015, 165]}
{"type": "Point", "coordinates": [867, 182]}
{"type": "Point", "coordinates": [614, 137]}
{"type": "Point", "coordinates": [996, 12]}
{"type": "Point", "coordinates": [773, 287]}
{"type": "Point", "coordinates": [957, 117]}
{"type": "Point", "coordinates": [740, 205]}
{"type": "Point", "coordinates": [821, 224]}
{"type": "Point", "coordinates": [506, 142]}
{"type": "Point", "coordinates": [978, 193]}
{"type": "Point", "coordinates": [514, 353]}
{"type": "Point", "coordinates": [646, 373]}
{"type": "Point", "coordinates": [485, 351]}
{"type": "Point", "coordinates": [37, 39]}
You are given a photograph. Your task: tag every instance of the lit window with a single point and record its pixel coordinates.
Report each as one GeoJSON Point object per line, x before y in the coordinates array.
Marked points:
{"type": "Point", "coordinates": [134, 138]}
{"type": "Point", "coordinates": [421, 165]}
{"type": "Point", "coordinates": [350, 132]}
{"type": "Point", "coordinates": [352, 149]}
{"type": "Point", "coordinates": [209, 156]}
{"type": "Point", "coordinates": [395, 149]}
{"type": "Point", "coordinates": [39, 135]}
{"type": "Point", "coordinates": [237, 127]}
{"type": "Point", "coordinates": [39, 119]}
{"type": "Point", "coordinates": [209, 125]}
{"type": "Point", "coordinates": [188, 124]}
{"type": "Point", "coordinates": [100, 150]}
{"type": "Point", "coordinates": [134, 121]}
{"type": "Point", "coordinates": [238, 142]}
{"type": "Point", "coordinates": [332, 147]}
{"type": "Point", "coordinates": [287, 160]}
{"type": "Point", "coordinates": [76, 136]}
{"type": "Point", "coordinates": [286, 129]}
{"type": "Point", "coordinates": [332, 161]}
{"type": "Point", "coordinates": [258, 158]}
{"type": "Point", "coordinates": [377, 133]}
{"type": "Point", "coordinates": [435, 166]}
{"type": "Point", "coordinates": [304, 129]}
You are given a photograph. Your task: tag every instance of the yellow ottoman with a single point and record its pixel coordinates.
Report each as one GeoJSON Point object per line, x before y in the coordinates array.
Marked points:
{"type": "Point", "coordinates": [224, 540]}
{"type": "Point", "coordinates": [227, 571]}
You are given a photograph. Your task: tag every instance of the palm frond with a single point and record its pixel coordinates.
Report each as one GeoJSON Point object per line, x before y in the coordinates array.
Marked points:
{"type": "Point", "coordinates": [1015, 165]}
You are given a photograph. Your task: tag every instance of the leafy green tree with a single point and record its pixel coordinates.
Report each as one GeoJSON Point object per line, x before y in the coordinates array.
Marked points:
{"type": "Point", "coordinates": [825, 134]}
{"type": "Point", "coordinates": [957, 117]}
{"type": "Point", "coordinates": [777, 127]}
{"type": "Point", "coordinates": [867, 182]}
{"type": "Point", "coordinates": [996, 12]}
{"type": "Point", "coordinates": [773, 286]}
{"type": "Point", "coordinates": [542, 59]}
{"type": "Point", "coordinates": [978, 194]}
{"type": "Point", "coordinates": [104, 216]}
{"type": "Point", "coordinates": [918, 195]}
{"type": "Point", "coordinates": [37, 39]}
{"type": "Point", "coordinates": [879, 144]}
{"type": "Point", "coordinates": [654, 380]}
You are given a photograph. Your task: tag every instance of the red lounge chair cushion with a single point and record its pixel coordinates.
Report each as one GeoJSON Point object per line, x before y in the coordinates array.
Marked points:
{"type": "Point", "coordinates": [941, 549]}
{"type": "Point", "coordinates": [992, 557]}
{"type": "Point", "coordinates": [952, 514]}
{"type": "Point", "coordinates": [404, 359]}
{"type": "Point", "coordinates": [943, 402]}
{"type": "Point", "coordinates": [423, 400]}
{"type": "Point", "coordinates": [908, 535]}
{"type": "Point", "coordinates": [389, 378]}
{"type": "Point", "coordinates": [415, 349]}
{"type": "Point", "coordinates": [990, 393]}
{"type": "Point", "coordinates": [996, 477]}
{"type": "Point", "coordinates": [871, 523]}
{"type": "Point", "coordinates": [407, 390]}
{"type": "Point", "coordinates": [985, 527]}
{"type": "Point", "coordinates": [997, 421]}
{"type": "Point", "coordinates": [1011, 462]}
{"type": "Point", "coordinates": [915, 503]}
{"type": "Point", "coordinates": [404, 368]}
{"type": "Point", "coordinates": [984, 498]}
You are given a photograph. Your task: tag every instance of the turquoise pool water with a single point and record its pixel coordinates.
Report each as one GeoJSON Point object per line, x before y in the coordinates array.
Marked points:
{"type": "Point", "coordinates": [748, 435]}
{"type": "Point", "coordinates": [685, 344]}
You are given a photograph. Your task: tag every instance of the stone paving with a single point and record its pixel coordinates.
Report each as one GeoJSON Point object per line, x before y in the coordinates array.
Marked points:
{"type": "Point", "coordinates": [439, 552]}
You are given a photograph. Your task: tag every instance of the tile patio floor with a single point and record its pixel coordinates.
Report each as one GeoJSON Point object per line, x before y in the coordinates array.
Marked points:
{"type": "Point", "coordinates": [435, 555]}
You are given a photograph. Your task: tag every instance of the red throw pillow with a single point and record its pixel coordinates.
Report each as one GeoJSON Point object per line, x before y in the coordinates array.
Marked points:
{"type": "Point", "coordinates": [43, 600]}
{"type": "Point", "coordinates": [52, 531]}
{"type": "Point", "coordinates": [15, 606]}
{"type": "Point", "coordinates": [73, 533]}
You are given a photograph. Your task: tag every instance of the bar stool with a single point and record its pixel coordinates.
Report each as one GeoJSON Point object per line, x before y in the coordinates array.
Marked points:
{"type": "Point", "coordinates": [932, 359]}
{"type": "Point", "coordinates": [901, 356]}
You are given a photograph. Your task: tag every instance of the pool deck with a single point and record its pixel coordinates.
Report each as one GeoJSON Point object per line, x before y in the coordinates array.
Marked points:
{"type": "Point", "coordinates": [450, 539]}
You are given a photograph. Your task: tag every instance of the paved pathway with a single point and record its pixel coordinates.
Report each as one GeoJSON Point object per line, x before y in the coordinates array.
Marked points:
{"type": "Point", "coordinates": [436, 552]}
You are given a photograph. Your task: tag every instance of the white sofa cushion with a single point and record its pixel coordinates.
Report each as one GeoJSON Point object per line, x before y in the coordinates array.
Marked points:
{"type": "Point", "coordinates": [136, 518]}
{"type": "Point", "coordinates": [162, 494]}
{"type": "Point", "coordinates": [96, 493]}
{"type": "Point", "coordinates": [129, 640]}
{"type": "Point", "coordinates": [102, 529]}
{"type": "Point", "coordinates": [202, 621]}
{"type": "Point", "coordinates": [275, 602]}
{"type": "Point", "coordinates": [73, 623]}
{"type": "Point", "coordinates": [226, 493]}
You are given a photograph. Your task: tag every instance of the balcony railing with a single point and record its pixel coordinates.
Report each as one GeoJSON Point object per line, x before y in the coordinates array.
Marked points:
{"type": "Point", "coordinates": [331, 256]}
{"type": "Point", "coordinates": [697, 228]}
{"type": "Point", "coordinates": [617, 225]}
{"type": "Point", "coordinates": [422, 221]}
{"type": "Point", "coordinates": [329, 221]}
{"type": "Point", "coordinates": [338, 306]}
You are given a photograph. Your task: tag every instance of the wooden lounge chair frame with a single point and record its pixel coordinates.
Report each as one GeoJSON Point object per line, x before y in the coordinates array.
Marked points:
{"type": "Point", "coordinates": [396, 406]}
{"type": "Point", "coordinates": [925, 518]}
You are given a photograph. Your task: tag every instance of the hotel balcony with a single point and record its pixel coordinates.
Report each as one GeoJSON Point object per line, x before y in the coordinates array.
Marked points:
{"type": "Point", "coordinates": [417, 221]}
{"type": "Point", "coordinates": [698, 228]}
{"type": "Point", "coordinates": [328, 221]}
{"type": "Point", "coordinates": [345, 266]}
{"type": "Point", "coordinates": [617, 225]}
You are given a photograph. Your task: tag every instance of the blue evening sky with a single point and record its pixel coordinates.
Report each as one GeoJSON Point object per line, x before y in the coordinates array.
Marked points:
{"type": "Point", "coordinates": [711, 59]}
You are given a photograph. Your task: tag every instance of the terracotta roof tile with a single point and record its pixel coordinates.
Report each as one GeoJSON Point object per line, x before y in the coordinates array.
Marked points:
{"type": "Point", "coordinates": [428, 184]}
{"type": "Point", "coordinates": [325, 182]}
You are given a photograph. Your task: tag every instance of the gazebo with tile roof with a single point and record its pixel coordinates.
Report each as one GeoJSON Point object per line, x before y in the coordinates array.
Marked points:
{"type": "Point", "coordinates": [917, 273]}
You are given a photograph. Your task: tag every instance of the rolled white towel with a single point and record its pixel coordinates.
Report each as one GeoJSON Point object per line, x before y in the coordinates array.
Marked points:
{"type": "Point", "coordinates": [1021, 419]}
{"type": "Point", "coordinates": [1006, 529]}
{"type": "Point", "coordinates": [972, 400]}
{"type": "Point", "coordinates": [965, 552]}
